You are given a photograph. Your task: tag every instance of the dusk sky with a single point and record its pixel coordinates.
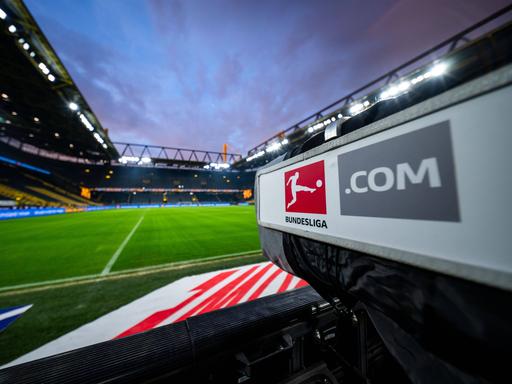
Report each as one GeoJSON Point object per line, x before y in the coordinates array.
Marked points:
{"type": "Point", "coordinates": [198, 74]}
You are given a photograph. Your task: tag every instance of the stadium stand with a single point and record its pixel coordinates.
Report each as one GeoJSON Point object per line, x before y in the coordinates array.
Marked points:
{"type": "Point", "coordinates": [53, 147]}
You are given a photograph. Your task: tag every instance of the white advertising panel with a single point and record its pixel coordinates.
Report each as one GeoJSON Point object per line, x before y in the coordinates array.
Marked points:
{"type": "Point", "coordinates": [434, 192]}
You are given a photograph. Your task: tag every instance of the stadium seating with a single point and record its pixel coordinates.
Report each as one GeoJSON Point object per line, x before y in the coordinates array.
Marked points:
{"type": "Point", "coordinates": [50, 182]}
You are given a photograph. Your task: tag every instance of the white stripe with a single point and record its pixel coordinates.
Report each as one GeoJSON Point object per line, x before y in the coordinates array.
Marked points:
{"type": "Point", "coordinates": [115, 256]}
{"type": "Point", "coordinates": [155, 267]}
{"type": "Point", "coordinates": [14, 312]}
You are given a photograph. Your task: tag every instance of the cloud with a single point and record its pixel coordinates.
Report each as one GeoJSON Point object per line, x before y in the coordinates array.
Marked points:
{"type": "Point", "coordinates": [200, 74]}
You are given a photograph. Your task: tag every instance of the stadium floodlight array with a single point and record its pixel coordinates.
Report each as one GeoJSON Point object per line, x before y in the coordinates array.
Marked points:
{"type": "Point", "coordinates": [383, 88]}
{"type": "Point", "coordinates": [129, 159]}
{"type": "Point", "coordinates": [396, 89]}
{"type": "Point", "coordinates": [144, 160]}
{"type": "Point", "coordinates": [33, 44]}
{"type": "Point", "coordinates": [12, 28]}
{"type": "Point", "coordinates": [255, 156]}
{"type": "Point", "coordinates": [217, 166]}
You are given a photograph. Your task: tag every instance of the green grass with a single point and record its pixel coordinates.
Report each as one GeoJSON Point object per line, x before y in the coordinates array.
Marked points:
{"type": "Point", "coordinates": [58, 311]}
{"type": "Point", "coordinates": [63, 246]}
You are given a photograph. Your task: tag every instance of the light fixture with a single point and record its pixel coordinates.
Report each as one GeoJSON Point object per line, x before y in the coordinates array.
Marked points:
{"type": "Point", "coordinates": [14, 113]}
{"type": "Point", "coordinates": [273, 147]}
{"type": "Point", "coordinates": [51, 77]}
{"type": "Point", "coordinates": [259, 154]}
{"type": "Point", "coordinates": [311, 129]}
{"type": "Point", "coordinates": [86, 122]}
{"type": "Point", "coordinates": [73, 106]}
{"type": "Point", "coordinates": [44, 68]}
{"type": "Point", "coordinates": [285, 141]}
{"type": "Point", "coordinates": [98, 138]}
{"type": "Point", "coordinates": [36, 119]}
{"type": "Point", "coordinates": [32, 54]}
{"type": "Point", "coordinates": [12, 28]}
{"type": "Point", "coordinates": [57, 134]}
{"type": "Point", "coordinates": [3, 15]}
{"type": "Point", "coordinates": [404, 86]}
{"type": "Point", "coordinates": [439, 69]}
{"type": "Point", "coordinates": [5, 96]}
{"type": "Point", "coordinates": [26, 46]}
{"type": "Point", "coordinates": [356, 108]}
{"type": "Point", "coordinates": [128, 159]}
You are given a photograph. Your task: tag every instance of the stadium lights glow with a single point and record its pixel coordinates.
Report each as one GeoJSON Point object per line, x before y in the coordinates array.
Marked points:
{"type": "Point", "coordinates": [129, 159]}
{"type": "Point", "coordinates": [86, 122]}
{"type": "Point", "coordinates": [32, 54]}
{"type": "Point", "coordinates": [98, 138]}
{"type": "Point", "coordinates": [255, 156]}
{"type": "Point", "coordinates": [404, 86]}
{"type": "Point", "coordinates": [51, 77]}
{"type": "Point", "coordinates": [311, 129]}
{"type": "Point", "coordinates": [284, 142]}
{"type": "Point", "coordinates": [273, 147]}
{"type": "Point", "coordinates": [12, 28]}
{"type": "Point", "coordinates": [21, 41]}
{"type": "Point", "coordinates": [26, 46]}
{"type": "Point", "coordinates": [340, 115]}
{"type": "Point", "coordinates": [5, 96]}
{"type": "Point", "coordinates": [439, 69]}
{"type": "Point", "coordinates": [104, 145]}
{"type": "Point", "coordinates": [219, 165]}
{"type": "Point", "coordinates": [36, 119]}
{"type": "Point", "coordinates": [44, 68]}
{"type": "Point", "coordinates": [355, 109]}
{"type": "Point", "coordinates": [73, 106]}
{"type": "Point", "coordinates": [144, 160]}
{"type": "Point", "coordinates": [3, 15]}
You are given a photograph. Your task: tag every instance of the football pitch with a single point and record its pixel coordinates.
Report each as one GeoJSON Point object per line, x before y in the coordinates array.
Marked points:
{"type": "Point", "coordinates": [45, 249]}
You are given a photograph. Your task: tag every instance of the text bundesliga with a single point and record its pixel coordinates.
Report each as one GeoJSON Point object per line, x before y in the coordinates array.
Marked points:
{"type": "Point", "coordinates": [306, 221]}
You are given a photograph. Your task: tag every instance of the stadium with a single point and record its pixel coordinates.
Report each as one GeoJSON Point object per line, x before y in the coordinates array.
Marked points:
{"type": "Point", "coordinates": [112, 252]}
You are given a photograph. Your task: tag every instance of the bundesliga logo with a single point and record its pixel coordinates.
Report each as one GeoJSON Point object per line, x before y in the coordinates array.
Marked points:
{"type": "Point", "coordinates": [305, 189]}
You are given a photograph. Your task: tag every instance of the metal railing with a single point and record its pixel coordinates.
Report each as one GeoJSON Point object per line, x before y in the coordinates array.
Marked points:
{"type": "Point", "coordinates": [442, 48]}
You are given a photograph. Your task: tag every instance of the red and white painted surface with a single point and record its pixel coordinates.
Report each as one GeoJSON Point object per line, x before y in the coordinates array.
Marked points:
{"type": "Point", "coordinates": [175, 302]}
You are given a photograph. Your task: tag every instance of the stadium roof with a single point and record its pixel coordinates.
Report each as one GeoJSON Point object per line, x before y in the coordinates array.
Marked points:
{"type": "Point", "coordinates": [39, 103]}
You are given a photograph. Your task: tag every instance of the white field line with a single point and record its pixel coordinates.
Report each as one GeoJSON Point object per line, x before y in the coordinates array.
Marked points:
{"type": "Point", "coordinates": [15, 312]}
{"type": "Point", "coordinates": [116, 254]}
{"type": "Point", "coordinates": [125, 272]}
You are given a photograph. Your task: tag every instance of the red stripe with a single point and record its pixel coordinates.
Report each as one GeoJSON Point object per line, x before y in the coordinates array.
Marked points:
{"type": "Point", "coordinates": [257, 293]}
{"type": "Point", "coordinates": [236, 295]}
{"type": "Point", "coordinates": [286, 283]}
{"type": "Point", "coordinates": [211, 303]}
{"type": "Point", "coordinates": [156, 318]}
{"type": "Point", "coordinates": [301, 283]}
